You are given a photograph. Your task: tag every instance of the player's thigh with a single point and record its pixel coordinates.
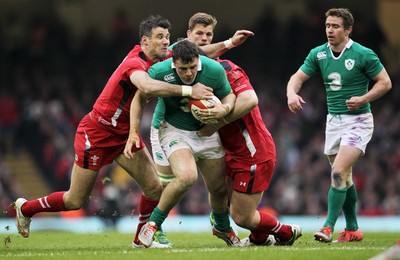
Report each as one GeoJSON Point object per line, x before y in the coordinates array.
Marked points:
{"type": "Point", "coordinates": [141, 168]}
{"type": "Point", "coordinates": [213, 171]}
{"type": "Point", "coordinates": [183, 164]}
{"type": "Point", "coordinates": [346, 158]}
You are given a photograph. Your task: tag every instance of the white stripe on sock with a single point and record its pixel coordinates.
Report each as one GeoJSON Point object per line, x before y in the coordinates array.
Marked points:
{"type": "Point", "coordinates": [277, 227]}
{"type": "Point", "coordinates": [47, 204]}
{"type": "Point", "coordinates": [144, 216]}
{"type": "Point", "coordinates": [41, 203]}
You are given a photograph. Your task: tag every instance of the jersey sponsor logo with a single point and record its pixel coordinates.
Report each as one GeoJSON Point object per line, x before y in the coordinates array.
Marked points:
{"type": "Point", "coordinates": [321, 55]}
{"type": "Point", "coordinates": [159, 156]}
{"type": "Point", "coordinates": [349, 63]}
{"type": "Point", "coordinates": [169, 77]}
{"type": "Point", "coordinates": [173, 143]}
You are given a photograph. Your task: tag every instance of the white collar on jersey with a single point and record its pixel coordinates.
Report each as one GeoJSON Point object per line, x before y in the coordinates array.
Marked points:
{"type": "Point", "coordinates": [198, 67]}
{"type": "Point", "coordinates": [348, 44]}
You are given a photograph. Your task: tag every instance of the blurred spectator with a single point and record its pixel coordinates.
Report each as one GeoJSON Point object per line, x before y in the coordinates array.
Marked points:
{"type": "Point", "coordinates": [9, 121]}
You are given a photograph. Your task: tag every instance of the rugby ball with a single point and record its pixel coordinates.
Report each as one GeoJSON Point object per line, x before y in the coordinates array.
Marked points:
{"type": "Point", "coordinates": [196, 104]}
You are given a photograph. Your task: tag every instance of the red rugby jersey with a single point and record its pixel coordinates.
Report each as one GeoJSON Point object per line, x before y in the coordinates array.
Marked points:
{"type": "Point", "coordinates": [112, 106]}
{"type": "Point", "coordinates": [247, 139]}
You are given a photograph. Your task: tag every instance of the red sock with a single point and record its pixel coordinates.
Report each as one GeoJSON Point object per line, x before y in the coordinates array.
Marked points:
{"type": "Point", "coordinates": [146, 207]}
{"type": "Point", "coordinates": [269, 225]}
{"type": "Point", "coordinates": [51, 203]}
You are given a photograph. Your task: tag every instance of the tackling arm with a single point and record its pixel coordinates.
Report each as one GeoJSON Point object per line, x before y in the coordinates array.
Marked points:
{"type": "Point", "coordinates": [245, 102]}
{"type": "Point", "coordinates": [216, 49]}
{"type": "Point", "coordinates": [157, 88]}
{"type": "Point", "coordinates": [135, 117]}
{"type": "Point", "coordinates": [218, 111]}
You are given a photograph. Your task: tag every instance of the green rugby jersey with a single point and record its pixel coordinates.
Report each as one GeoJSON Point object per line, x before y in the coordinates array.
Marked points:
{"type": "Point", "coordinates": [159, 110]}
{"type": "Point", "coordinates": [177, 112]}
{"type": "Point", "coordinates": [344, 76]}
{"type": "Point", "coordinates": [158, 114]}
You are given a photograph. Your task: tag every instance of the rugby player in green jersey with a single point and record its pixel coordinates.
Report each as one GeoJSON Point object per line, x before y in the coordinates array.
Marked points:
{"type": "Point", "coordinates": [249, 147]}
{"type": "Point", "coordinates": [346, 68]}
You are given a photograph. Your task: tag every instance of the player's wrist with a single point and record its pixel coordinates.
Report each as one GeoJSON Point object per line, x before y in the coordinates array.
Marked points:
{"type": "Point", "coordinates": [134, 129]}
{"type": "Point", "coordinates": [229, 44]}
{"type": "Point", "coordinates": [186, 91]}
{"type": "Point", "coordinates": [224, 121]}
{"type": "Point", "coordinates": [227, 108]}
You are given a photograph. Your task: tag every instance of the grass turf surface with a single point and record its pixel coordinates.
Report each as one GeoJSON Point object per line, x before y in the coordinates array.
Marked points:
{"type": "Point", "coordinates": [113, 245]}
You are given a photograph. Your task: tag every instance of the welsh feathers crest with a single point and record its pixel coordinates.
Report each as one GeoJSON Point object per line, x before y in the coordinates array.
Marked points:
{"type": "Point", "coordinates": [349, 63]}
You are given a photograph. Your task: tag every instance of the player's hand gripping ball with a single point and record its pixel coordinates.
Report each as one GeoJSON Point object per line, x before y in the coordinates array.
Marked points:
{"type": "Point", "coordinates": [195, 105]}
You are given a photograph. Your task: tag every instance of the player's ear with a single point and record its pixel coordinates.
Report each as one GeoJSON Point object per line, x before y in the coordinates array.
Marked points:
{"type": "Point", "coordinates": [144, 41]}
{"type": "Point", "coordinates": [349, 30]}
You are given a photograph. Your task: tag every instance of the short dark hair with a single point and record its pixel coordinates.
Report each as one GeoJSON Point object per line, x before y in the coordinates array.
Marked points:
{"type": "Point", "coordinates": [203, 19]}
{"type": "Point", "coordinates": [343, 13]}
{"type": "Point", "coordinates": [185, 51]}
{"type": "Point", "coordinates": [153, 21]}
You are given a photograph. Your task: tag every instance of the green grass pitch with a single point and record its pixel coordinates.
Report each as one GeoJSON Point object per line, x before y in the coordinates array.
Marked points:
{"type": "Point", "coordinates": [113, 245]}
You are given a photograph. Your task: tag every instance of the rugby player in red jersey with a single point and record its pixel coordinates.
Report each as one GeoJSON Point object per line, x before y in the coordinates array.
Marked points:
{"type": "Point", "coordinates": [102, 134]}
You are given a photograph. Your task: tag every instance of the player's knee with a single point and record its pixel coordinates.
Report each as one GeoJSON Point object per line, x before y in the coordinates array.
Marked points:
{"type": "Point", "coordinates": [153, 191]}
{"type": "Point", "coordinates": [187, 181]}
{"type": "Point", "coordinates": [218, 191]}
{"type": "Point", "coordinates": [338, 180]}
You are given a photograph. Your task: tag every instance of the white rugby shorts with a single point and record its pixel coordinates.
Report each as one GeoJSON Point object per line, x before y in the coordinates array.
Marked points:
{"type": "Point", "coordinates": [159, 155]}
{"type": "Point", "coordinates": [351, 130]}
{"type": "Point", "coordinates": [172, 139]}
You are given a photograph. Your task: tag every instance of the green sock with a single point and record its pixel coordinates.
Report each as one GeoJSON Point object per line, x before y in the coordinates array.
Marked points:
{"type": "Point", "coordinates": [158, 217]}
{"type": "Point", "coordinates": [222, 222]}
{"type": "Point", "coordinates": [336, 198]}
{"type": "Point", "coordinates": [350, 209]}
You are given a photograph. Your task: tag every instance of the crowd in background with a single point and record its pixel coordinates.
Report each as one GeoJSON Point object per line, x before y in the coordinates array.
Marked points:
{"type": "Point", "coordinates": [49, 82]}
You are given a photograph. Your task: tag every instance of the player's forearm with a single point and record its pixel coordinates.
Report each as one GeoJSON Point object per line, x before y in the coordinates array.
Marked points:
{"type": "Point", "coordinates": [156, 88]}
{"type": "Point", "coordinates": [293, 86]}
{"type": "Point", "coordinates": [378, 90]}
{"type": "Point", "coordinates": [295, 83]}
{"type": "Point", "coordinates": [215, 50]}
{"type": "Point", "coordinates": [245, 102]}
{"type": "Point", "coordinates": [382, 85]}
{"type": "Point", "coordinates": [136, 111]}
{"type": "Point", "coordinates": [229, 102]}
